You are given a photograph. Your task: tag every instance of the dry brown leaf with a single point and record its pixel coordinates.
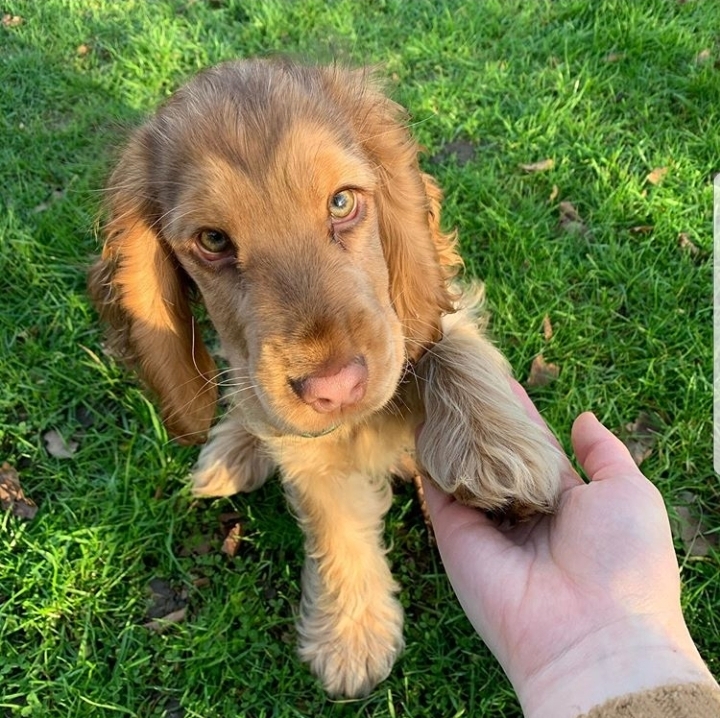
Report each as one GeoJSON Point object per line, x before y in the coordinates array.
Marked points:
{"type": "Point", "coordinates": [231, 543]}
{"type": "Point", "coordinates": [160, 625]}
{"type": "Point", "coordinates": [12, 496]}
{"type": "Point", "coordinates": [687, 245]}
{"type": "Point", "coordinates": [11, 20]}
{"type": "Point", "coordinates": [570, 219]}
{"type": "Point", "coordinates": [166, 606]}
{"type": "Point", "coordinates": [689, 527]}
{"type": "Point", "coordinates": [542, 372]}
{"type": "Point", "coordinates": [641, 437]}
{"type": "Point", "coordinates": [83, 50]}
{"type": "Point", "coordinates": [541, 166]}
{"type": "Point", "coordinates": [232, 532]}
{"type": "Point", "coordinates": [703, 56]}
{"type": "Point", "coordinates": [57, 446]}
{"type": "Point", "coordinates": [569, 212]}
{"type": "Point", "coordinates": [657, 175]}
{"type": "Point", "coordinates": [642, 229]}
{"type": "Point", "coordinates": [554, 194]}
{"type": "Point", "coordinates": [547, 328]}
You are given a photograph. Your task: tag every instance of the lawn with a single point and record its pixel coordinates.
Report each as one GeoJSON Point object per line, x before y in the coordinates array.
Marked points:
{"type": "Point", "coordinates": [596, 255]}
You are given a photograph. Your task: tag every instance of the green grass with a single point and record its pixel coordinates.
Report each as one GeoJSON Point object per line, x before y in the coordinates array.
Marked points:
{"type": "Point", "coordinates": [608, 89]}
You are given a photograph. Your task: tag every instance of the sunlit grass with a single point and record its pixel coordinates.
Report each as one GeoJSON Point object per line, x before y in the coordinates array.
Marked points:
{"type": "Point", "coordinates": [608, 90]}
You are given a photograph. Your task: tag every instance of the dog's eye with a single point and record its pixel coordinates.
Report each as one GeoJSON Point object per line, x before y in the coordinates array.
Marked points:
{"type": "Point", "coordinates": [213, 243]}
{"type": "Point", "coordinates": [342, 204]}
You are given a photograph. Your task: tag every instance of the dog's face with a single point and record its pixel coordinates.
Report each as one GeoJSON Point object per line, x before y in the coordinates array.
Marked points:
{"type": "Point", "coordinates": [292, 199]}
{"type": "Point", "coordinates": [288, 259]}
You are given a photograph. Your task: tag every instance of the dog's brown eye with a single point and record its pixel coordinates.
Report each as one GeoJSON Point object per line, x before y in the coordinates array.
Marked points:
{"type": "Point", "coordinates": [342, 204]}
{"type": "Point", "coordinates": [213, 242]}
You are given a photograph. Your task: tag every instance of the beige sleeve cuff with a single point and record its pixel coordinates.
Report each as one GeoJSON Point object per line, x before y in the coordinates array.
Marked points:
{"type": "Point", "coordinates": [690, 700]}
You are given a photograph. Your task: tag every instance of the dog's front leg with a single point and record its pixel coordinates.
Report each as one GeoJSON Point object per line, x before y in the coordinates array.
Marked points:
{"type": "Point", "coordinates": [350, 623]}
{"type": "Point", "coordinates": [233, 460]}
{"type": "Point", "coordinates": [477, 442]}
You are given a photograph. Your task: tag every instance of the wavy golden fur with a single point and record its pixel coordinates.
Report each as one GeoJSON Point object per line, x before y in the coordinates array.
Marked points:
{"type": "Point", "coordinates": [289, 199]}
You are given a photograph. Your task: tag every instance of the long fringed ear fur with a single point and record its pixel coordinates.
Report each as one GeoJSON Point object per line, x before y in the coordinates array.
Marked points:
{"type": "Point", "coordinates": [140, 293]}
{"type": "Point", "coordinates": [421, 259]}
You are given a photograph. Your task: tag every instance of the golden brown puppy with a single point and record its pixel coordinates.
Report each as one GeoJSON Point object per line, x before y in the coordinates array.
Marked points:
{"type": "Point", "coordinates": [290, 197]}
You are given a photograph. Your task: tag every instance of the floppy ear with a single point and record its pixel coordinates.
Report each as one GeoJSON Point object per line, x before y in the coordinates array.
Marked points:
{"type": "Point", "coordinates": [139, 290]}
{"type": "Point", "coordinates": [421, 259]}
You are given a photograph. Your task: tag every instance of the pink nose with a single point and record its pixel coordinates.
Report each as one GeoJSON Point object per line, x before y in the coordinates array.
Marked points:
{"type": "Point", "coordinates": [329, 391]}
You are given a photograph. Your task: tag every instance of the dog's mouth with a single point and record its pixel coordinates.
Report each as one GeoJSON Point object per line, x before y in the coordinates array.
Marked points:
{"type": "Point", "coordinates": [318, 434]}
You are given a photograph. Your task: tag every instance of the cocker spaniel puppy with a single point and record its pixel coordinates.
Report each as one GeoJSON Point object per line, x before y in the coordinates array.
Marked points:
{"type": "Point", "coordinates": [288, 199]}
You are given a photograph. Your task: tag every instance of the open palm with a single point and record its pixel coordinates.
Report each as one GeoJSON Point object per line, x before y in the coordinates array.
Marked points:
{"type": "Point", "coordinates": [551, 592]}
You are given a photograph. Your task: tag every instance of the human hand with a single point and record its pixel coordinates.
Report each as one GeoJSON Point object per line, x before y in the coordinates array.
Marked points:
{"type": "Point", "coordinates": [583, 605]}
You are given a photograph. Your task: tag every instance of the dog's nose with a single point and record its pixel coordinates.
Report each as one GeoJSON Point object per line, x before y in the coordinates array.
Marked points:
{"type": "Point", "coordinates": [333, 389]}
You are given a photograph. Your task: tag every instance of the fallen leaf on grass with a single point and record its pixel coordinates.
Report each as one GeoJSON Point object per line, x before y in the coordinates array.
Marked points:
{"type": "Point", "coordinates": [547, 328]}
{"type": "Point", "coordinates": [58, 447]}
{"type": "Point", "coordinates": [12, 496]}
{"type": "Point", "coordinates": [232, 532]}
{"type": "Point", "coordinates": [703, 56]}
{"type": "Point", "coordinates": [166, 606]}
{"type": "Point", "coordinates": [570, 219]}
{"type": "Point", "coordinates": [687, 245]}
{"type": "Point", "coordinates": [11, 20]}
{"type": "Point", "coordinates": [614, 57]}
{"type": "Point", "coordinates": [657, 175]}
{"type": "Point", "coordinates": [642, 229]}
{"type": "Point", "coordinates": [553, 194]}
{"type": "Point", "coordinates": [542, 372]}
{"type": "Point", "coordinates": [83, 50]}
{"type": "Point", "coordinates": [159, 625]}
{"type": "Point", "coordinates": [689, 527]}
{"type": "Point", "coordinates": [641, 437]}
{"type": "Point", "coordinates": [231, 543]}
{"type": "Point", "coordinates": [541, 166]}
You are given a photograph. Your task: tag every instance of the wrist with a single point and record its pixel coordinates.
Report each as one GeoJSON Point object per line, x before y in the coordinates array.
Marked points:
{"type": "Point", "coordinates": [628, 657]}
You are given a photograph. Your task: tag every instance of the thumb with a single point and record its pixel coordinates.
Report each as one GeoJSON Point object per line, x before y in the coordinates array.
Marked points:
{"type": "Point", "coordinates": [601, 454]}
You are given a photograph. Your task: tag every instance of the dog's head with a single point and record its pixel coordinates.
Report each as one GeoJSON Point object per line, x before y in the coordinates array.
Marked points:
{"type": "Point", "coordinates": [291, 198]}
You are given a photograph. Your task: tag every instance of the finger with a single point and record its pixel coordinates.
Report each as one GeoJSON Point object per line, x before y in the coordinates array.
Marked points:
{"type": "Point", "coordinates": [599, 451]}
{"type": "Point", "coordinates": [569, 477]}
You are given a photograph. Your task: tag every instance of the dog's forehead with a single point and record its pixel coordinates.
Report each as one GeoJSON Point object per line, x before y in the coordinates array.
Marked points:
{"type": "Point", "coordinates": [311, 158]}
{"type": "Point", "coordinates": [293, 184]}
{"type": "Point", "coordinates": [248, 111]}
{"type": "Point", "coordinates": [307, 162]}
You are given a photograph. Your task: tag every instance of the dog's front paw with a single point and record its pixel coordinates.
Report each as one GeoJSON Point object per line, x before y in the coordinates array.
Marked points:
{"type": "Point", "coordinates": [351, 654]}
{"type": "Point", "coordinates": [477, 442]}
{"type": "Point", "coordinates": [233, 460]}
{"type": "Point", "coordinates": [515, 474]}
